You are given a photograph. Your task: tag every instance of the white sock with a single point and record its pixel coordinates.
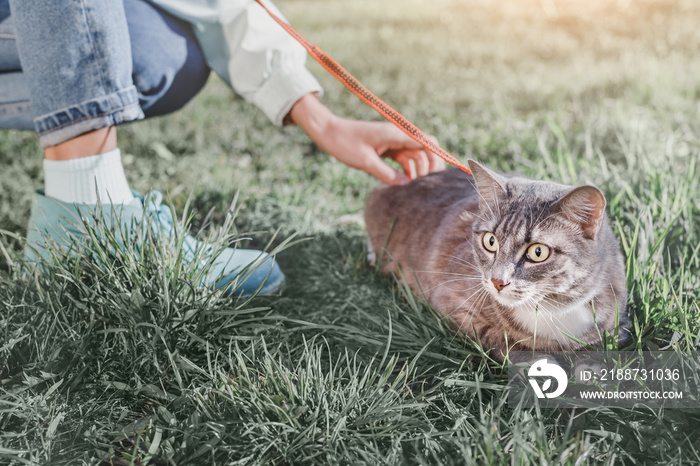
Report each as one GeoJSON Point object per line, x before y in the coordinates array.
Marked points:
{"type": "Point", "coordinates": [86, 179]}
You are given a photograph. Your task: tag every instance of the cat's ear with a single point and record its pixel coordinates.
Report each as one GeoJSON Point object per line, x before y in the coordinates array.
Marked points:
{"type": "Point", "coordinates": [489, 184]}
{"type": "Point", "coordinates": [584, 205]}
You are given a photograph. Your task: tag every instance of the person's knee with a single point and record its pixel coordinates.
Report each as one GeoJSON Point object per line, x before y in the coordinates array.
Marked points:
{"type": "Point", "coordinates": [169, 66]}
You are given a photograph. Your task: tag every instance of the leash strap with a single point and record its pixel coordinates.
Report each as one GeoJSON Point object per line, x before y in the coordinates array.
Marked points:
{"type": "Point", "coordinates": [342, 75]}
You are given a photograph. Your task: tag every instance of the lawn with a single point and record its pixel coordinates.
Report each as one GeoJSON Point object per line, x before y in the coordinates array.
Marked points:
{"type": "Point", "coordinates": [130, 365]}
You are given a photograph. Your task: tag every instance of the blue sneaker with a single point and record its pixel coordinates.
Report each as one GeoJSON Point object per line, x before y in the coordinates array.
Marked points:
{"type": "Point", "coordinates": [238, 272]}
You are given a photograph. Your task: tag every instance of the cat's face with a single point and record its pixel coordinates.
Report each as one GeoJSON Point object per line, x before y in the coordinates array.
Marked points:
{"type": "Point", "coordinates": [535, 242]}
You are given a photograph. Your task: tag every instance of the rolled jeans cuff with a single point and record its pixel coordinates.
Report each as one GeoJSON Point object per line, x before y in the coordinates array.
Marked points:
{"type": "Point", "coordinates": [118, 107]}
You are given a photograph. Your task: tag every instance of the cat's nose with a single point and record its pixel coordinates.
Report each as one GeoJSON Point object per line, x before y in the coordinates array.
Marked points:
{"type": "Point", "coordinates": [499, 284]}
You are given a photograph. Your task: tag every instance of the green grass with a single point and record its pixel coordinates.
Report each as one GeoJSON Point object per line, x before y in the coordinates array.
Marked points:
{"type": "Point", "coordinates": [131, 365]}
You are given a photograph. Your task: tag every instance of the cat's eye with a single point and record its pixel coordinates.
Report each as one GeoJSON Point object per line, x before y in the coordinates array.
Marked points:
{"type": "Point", "coordinates": [537, 252]}
{"type": "Point", "coordinates": [490, 242]}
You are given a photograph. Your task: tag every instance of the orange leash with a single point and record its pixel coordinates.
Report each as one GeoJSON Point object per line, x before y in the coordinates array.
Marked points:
{"type": "Point", "coordinates": [366, 96]}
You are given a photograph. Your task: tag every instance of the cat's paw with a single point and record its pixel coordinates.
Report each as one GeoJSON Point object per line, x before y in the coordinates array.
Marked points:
{"type": "Point", "coordinates": [371, 256]}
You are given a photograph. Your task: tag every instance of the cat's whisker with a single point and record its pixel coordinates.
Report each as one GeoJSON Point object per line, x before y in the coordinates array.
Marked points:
{"type": "Point", "coordinates": [486, 203]}
{"type": "Point", "coordinates": [448, 273]}
{"type": "Point", "coordinates": [547, 218]}
{"type": "Point", "coordinates": [460, 261]}
{"type": "Point", "coordinates": [537, 221]}
{"type": "Point", "coordinates": [442, 284]}
{"type": "Point", "coordinates": [476, 295]}
{"type": "Point", "coordinates": [540, 296]}
{"type": "Point", "coordinates": [478, 306]}
{"type": "Point", "coordinates": [546, 318]}
{"type": "Point", "coordinates": [548, 291]}
{"type": "Point", "coordinates": [555, 324]}
{"type": "Point", "coordinates": [549, 286]}
{"type": "Point", "coordinates": [545, 291]}
{"type": "Point", "coordinates": [473, 268]}
{"type": "Point", "coordinates": [556, 303]}
{"type": "Point", "coordinates": [479, 216]}
{"type": "Point", "coordinates": [538, 320]}
{"type": "Point", "coordinates": [464, 278]}
{"type": "Point", "coordinates": [467, 299]}
{"type": "Point", "coordinates": [550, 316]}
{"type": "Point", "coordinates": [479, 298]}
{"type": "Point", "coordinates": [549, 300]}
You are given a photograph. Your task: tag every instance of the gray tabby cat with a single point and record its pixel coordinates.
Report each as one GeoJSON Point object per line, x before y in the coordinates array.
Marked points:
{"type": "Point", "coordinates": [516, 264]}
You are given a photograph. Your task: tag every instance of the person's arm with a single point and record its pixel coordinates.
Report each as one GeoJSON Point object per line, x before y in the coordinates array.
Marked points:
{"type": "Point", "coordinates": [250, 51]}
{"type": "Point", "coordinates": [267, 67]}
{"type": "Point", "coordinates": [361, 144]}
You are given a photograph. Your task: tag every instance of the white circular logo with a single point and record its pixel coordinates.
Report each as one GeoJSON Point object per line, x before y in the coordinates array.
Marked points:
{"type": "Point", "coordinates": [547, 371]}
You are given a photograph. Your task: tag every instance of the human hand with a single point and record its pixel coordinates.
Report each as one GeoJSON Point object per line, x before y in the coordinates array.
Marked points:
{"type": "Point", "coordinates": [362, 144]}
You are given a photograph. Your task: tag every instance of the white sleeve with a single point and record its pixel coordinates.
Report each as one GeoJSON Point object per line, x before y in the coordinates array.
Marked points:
{"type": "Point", "coordinates": [250, 51]}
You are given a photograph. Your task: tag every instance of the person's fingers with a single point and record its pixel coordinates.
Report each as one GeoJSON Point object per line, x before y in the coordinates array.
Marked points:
{"type": "Point", "coordinates": [419, 161]}
{"type": "Point", "coordinates": [407, 164]}
{"type": "Point", "coordinates": [383, 172]}
{"type": "Point", "coordinates": [435, 163]}
{"type": "Point", "coordinates": [422, 162]}
{"type": "Point", "coordinates": [397, 138]}
{"type": "Point", "coordinates": [403, 149]}
{"type": "Point", "coordinates": [426, 160]}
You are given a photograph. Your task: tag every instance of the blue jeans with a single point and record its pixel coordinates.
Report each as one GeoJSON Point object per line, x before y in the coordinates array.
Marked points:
{"type": "Point", "coordinates": [72, 66]}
